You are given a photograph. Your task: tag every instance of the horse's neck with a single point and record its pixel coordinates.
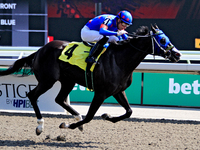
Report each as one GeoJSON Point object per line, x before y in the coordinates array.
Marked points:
{"type": "Point", "coordinates": [133, 59]}
{"type": "Point", "coordinates": [130, 58]}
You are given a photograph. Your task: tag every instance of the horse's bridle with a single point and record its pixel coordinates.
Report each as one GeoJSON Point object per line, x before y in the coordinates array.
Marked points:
{"type": "Point", "coordinates": [152, 39]}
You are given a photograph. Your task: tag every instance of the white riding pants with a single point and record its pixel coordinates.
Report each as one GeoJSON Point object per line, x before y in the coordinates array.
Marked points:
{"type": "Point", "coordinates": [94, 36]}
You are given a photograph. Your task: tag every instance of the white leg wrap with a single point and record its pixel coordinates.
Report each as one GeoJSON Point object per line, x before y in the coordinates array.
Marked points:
{"type": "Point", "coordinates": [78, 118]}
{"type": "Point", "coordinates": [66, 125]}
{"type": "Point", "coordinates": [40, 124]}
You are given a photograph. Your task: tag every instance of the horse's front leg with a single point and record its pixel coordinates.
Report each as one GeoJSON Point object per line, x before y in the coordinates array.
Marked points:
{"type": "Point", "coordinates": [96, 103]}
{"type": "Point", "coordinates": [122, 100]}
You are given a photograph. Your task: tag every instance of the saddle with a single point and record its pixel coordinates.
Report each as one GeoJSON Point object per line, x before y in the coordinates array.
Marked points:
{"type": "Point", "coordinates": [75, 53]}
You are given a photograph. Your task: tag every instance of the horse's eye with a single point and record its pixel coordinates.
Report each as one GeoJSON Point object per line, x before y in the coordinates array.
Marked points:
{"type": "Point", "coordinates": [163, 41]}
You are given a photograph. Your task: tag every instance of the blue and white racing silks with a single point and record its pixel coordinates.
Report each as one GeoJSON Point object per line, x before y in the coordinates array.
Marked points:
{"type": "Point", "coordinates": [106, 25]}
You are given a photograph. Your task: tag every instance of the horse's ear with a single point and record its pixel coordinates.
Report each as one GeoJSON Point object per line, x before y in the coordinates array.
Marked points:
{"type": "Point", "coordinates": [153, 28]}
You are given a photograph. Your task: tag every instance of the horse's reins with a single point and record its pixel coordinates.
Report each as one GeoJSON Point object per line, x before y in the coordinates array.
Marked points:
{"type": "Point", "coordinates": [152, 39]}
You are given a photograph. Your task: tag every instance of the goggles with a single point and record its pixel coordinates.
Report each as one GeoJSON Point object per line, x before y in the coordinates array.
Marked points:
{"type": "Point", "coordinates": [124, 24]}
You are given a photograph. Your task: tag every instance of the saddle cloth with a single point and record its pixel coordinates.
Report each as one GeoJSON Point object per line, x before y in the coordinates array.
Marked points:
{"type": "Point", "coordinates": [75, 53]}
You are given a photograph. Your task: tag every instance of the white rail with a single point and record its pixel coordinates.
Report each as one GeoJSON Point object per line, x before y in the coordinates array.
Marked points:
{"type": "Point", "coordinates": [8, 55]}
{"type": "Point", "coordinates": [187, 67]}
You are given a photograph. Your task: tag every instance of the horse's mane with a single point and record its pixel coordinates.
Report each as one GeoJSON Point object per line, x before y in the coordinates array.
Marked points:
{"type": "Point", "coordinates": [142, 30]}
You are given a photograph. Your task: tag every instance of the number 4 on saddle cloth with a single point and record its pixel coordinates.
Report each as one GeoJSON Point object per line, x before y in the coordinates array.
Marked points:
{"type": "Point", "coordinates": [75, 53]}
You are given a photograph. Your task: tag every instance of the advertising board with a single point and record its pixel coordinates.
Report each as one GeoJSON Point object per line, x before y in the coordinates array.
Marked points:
{"type": "Point", "coordinates": [13, 95]}
{"type": "Point", "coordinates": [133, 93]}
{"type": "Point", "coordinates": [159, 89]}
{"type": "Point", "coordinates": [25, 19]}
{"type": "Point", "coordinates": [171, 89]}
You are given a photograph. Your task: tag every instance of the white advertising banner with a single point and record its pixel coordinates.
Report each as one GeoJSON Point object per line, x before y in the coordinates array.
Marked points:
{"type": "Point", "coordinates": [13, 91]}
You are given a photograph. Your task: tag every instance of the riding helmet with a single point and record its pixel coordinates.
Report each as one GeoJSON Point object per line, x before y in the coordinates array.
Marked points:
{"type": "Point", "coordinates": [125, 16]}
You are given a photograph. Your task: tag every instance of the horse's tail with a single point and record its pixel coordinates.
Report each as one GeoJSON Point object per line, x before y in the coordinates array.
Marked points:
{"type": "Point", "coordinates": [19, 65]}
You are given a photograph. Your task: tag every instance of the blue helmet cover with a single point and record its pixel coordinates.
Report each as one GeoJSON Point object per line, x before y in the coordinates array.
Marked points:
{"type": "Point", "coordinates": [125, 16]}
{"type": "Point", "coordinates": [162, 40]}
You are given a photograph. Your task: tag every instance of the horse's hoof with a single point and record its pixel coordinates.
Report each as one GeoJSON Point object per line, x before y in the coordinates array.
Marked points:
{"type": "Point", "coordinates": [63, 125]}
{"type": "Point", "coordinates": [40, 126]}
{"type": "Point", "coordinates": [105, 116]}
{"type": "Point", "coordinates": [38, 131]}
{"type": "Point", "coordinates": [80, 128]}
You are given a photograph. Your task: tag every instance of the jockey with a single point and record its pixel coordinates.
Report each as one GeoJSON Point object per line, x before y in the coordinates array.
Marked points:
{"type": "Point", "coordinates": [105, 28]}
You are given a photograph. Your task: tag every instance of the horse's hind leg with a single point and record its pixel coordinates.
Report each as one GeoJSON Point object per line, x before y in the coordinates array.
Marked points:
{"type": "Point", "coordinates": [122, 100]}
{"type": "Point", "coordinates": [66, 88]}
{"type": "Point", "coordinates": [33, 96]}
{"type": "Point", "coordinates": [96, 103]}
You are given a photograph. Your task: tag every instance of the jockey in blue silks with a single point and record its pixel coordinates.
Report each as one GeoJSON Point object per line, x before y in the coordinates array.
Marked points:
{"type": "Point", "coordinates": [105, 28]}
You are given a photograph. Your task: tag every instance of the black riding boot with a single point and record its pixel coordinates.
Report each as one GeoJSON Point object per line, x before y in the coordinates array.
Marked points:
{"type": "Point", "coordinates": [96, 50]}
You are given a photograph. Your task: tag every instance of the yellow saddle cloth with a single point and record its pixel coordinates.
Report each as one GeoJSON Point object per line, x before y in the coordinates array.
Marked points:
{"type": "Point", "coordinates": [75, 53]}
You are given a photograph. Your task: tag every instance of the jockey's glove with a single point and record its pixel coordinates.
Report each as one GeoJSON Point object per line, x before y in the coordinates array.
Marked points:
{"type": "Point", "coordinates": [120, 32]}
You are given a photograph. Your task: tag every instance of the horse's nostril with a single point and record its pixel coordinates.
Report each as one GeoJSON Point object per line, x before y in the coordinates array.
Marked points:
{"type": "Point", "coordinates": [177, 54]}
